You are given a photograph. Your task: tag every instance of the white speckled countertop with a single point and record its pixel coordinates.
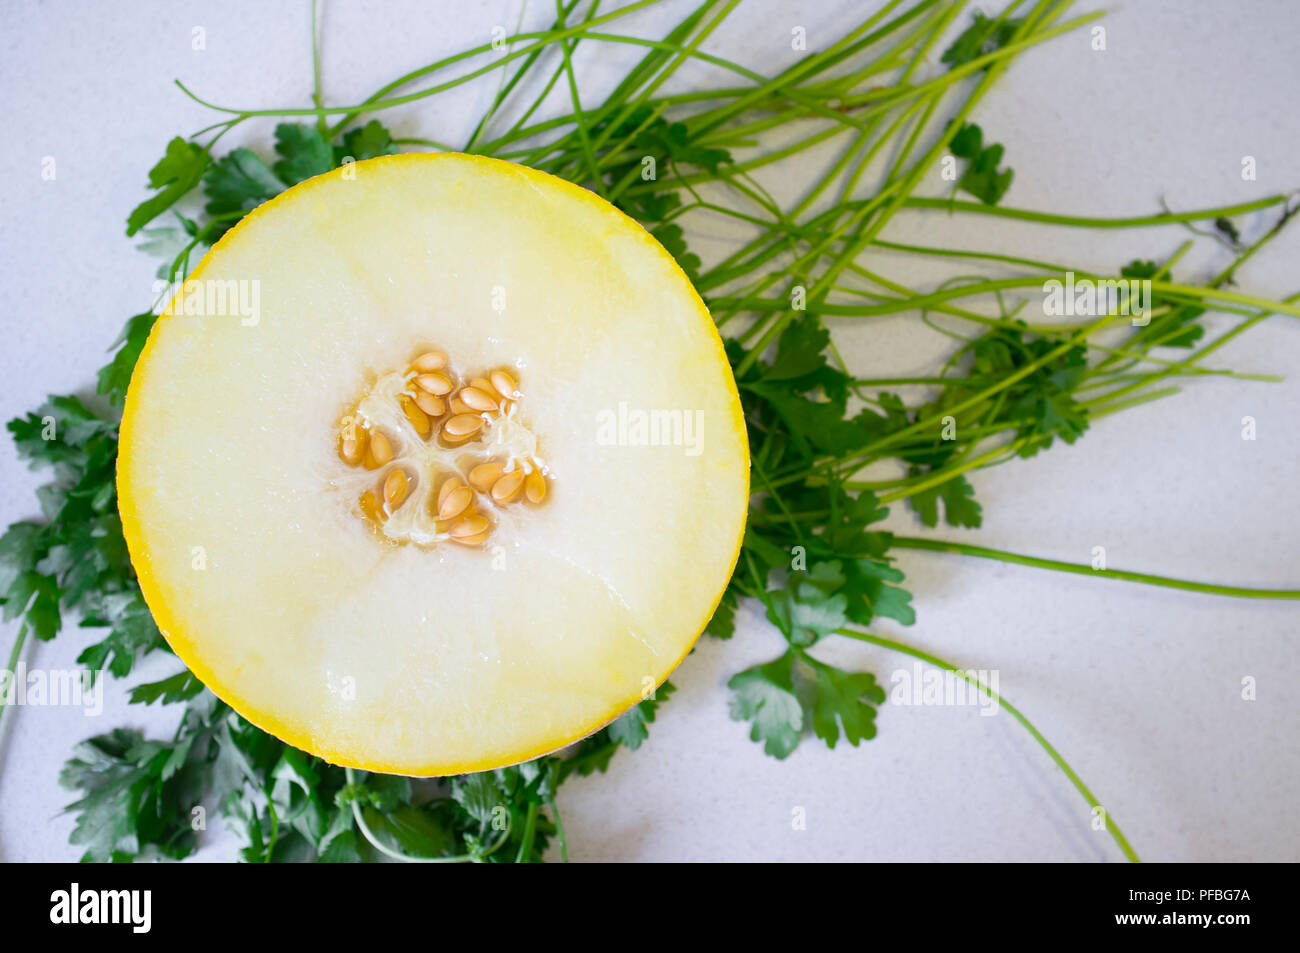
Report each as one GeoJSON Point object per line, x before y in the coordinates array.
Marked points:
{"type": "Point", "coordinates": [1138, 688]}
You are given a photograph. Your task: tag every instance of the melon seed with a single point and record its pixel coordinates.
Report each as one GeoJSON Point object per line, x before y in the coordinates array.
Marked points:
{"type": "Point", "coordinates": [472, 525]}
{"type": "Point", "coordinates": [352, 444]}
{"type": "Point", "coordinates": [535, 487]}
{"type": "Point", "coordinates": [380, 452]}
{"type": "Point", "coordinates": [507, 488]}
{"type": "Point", "coordinates": [433, 406]}
{"type": "Point", "coordinates": [418, 418]}
{"type": "Point", "coordinates": [475, 540]}
{"type": "Point", "coordinates": [505, 385]}
{"type": "Point", "coordinates": [455, 503]}
{"type": "Point", "coordinates": [429, 361]}
{"type": "Point", "coordinates": [370, 506]}
{"type": "Point", "coordinates": [485, 474]}
{"type": "Point", "coordinates": [477, 399]}
{"type": "Point", "coordinates": [462, 425]}
{"type": "Point", "coordinates": [395, 489]}
{"type": "Point", "coordinates": [436, 384]}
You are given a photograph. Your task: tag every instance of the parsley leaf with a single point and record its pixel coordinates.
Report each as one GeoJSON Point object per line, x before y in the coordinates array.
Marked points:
{"type": "Point", "coordinates": [178, 171]}
{"type": "Point", "coordinates": [674, 242]}
{"type": "Point", "coordinates": [239, 182]}
{"type": "Point", "coordinates": [846, 699]}
{"type": "Point", "coordinates": [132, 633]}
{"type": "Point", "coordinates": [870, 590]}
{"type": "Point", "coordinates": [1228, 230]}
{"type": "Point", "coordinates": [958, 498]}
{"type": "Point", "coordinates": [812, 605]}
{"type": "Point", "coordinates": [182, 686]}
{"type": "Point", "coordinates": [722, 624]}
{"type": "Point", "coordinates": [1041, 405]}
{"type": "Point", "coordinates": [982, 178]}
{"type": "Point", "coordinates": [304, 150]}
{"type": "Point", "coordinates": [651, 202]}
{"type": "Point", "coordinates": [985, 35]}
{"type": "Point", "coordinates": [1177, 327]}
{"type": "Point", "coordinates": [138, 796]}
{"type": "Point", "coordinates": [784, 697]}
{"type": "Point", "coordinates": [115, 377]}
{"type": "Point", "coordinates": [629, 729]}
{"type": "Point", "coordinates": [765, 696]}
{"type": "Point", "coordinates": [367, 142]}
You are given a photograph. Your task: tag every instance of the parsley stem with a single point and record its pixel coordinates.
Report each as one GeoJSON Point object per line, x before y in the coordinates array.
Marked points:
{"type": "Point", "coordinates": [14, 655]}
{"type": "Point", "coordinates": [377, 103]}
{"type": "Point", "coordinates": [1083, 221]}
{"type": "Point", "coordinates": [559, 828]}
{"type": "Point", "coordinates": [315, 68]}
{"type": "Point", "coordinates": [407, 858]}
{"type": "Point", "coordinates": [275, 828]}
{"type": "Point", "coordinates": [508, 86]}
{"type": "Point", "coordinates": [1082, 569]}
{"type": "Point", "coordinates": [1111, 827]}
{"type": "Point", "coordinates": [896, 305]}
{"type": "Point", "coordinates": [530, 832]}
{"type": "Point", "coordinates": [597, 180]}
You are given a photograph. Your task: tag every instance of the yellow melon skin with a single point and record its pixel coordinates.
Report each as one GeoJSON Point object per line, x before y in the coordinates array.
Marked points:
{"type": "Point", "coordinates": [432, 659]}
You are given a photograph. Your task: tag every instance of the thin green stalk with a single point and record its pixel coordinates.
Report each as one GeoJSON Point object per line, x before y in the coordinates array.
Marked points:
{"type": "Point", "coordinates": [1082, 569]}
{"type": "Point", "coordinates": [507, 87]}
{"type": "Point", "coordinates": [387, 851]}
{"type": "Point", "coordinates": [593, 167]}
{"type": "Point", "coordinates": [377, 103]}
{"type": "Point", "coordinates": [315, 68]}
{"type": "Point", "coordinates": [1111, 827]}
{"type": "Point", "coordinates": [530, 832]}
{"type": "Point", "coordinates": [559, 828]}
{"type": "Point", "coordinates": [1084, 221]}
{"type": "Point", "coordinates": [870, 228]}
{"type": "Point", "coordinates": [14, 655]}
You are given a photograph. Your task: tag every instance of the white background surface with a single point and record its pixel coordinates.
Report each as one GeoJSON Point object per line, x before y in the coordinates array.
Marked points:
{"type": "Point", "coordinates": [1138, 688]}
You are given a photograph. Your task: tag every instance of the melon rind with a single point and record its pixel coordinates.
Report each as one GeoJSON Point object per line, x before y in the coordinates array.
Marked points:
{"type": "Point", "coordinates": [432, 660]}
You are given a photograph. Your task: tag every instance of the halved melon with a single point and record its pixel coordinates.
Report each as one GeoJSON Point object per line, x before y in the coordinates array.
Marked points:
{"type": "Point", "coordinates": [436, 465]}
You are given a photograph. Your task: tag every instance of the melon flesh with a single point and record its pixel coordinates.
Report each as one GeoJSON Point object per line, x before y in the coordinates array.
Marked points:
{"type": "Point", "coordinates": [414, 657]}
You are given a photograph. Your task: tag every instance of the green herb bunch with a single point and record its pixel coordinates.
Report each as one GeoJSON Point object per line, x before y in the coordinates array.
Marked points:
{"type": "Point", "coordinates": [830, 451]}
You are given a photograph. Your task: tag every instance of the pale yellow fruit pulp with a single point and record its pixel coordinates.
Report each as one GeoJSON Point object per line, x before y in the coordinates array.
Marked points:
{"type": "Point", "coordinates": [430, 660]}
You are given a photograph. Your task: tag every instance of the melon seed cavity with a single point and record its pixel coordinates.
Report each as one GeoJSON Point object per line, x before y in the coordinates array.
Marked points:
{"type": "Point", "coordinates": [441, 458]}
